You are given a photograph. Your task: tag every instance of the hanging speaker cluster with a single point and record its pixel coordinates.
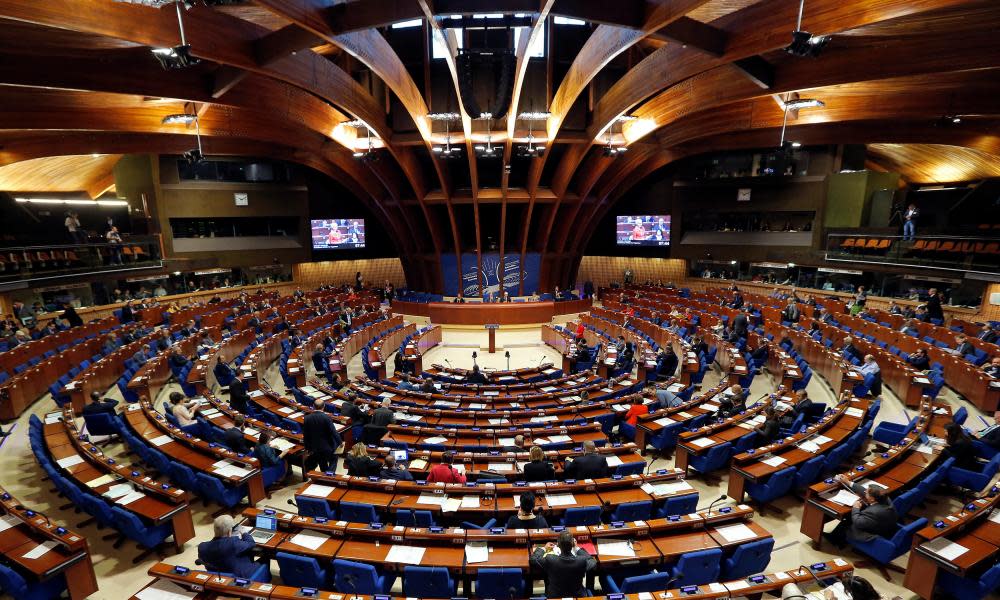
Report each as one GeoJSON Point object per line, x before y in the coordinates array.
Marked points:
{"type": "Point", "coordinates": [500, 64]}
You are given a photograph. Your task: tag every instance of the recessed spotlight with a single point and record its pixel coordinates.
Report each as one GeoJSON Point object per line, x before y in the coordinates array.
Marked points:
{"type": "Point", "coordinates": [800, 103]}
{"type": "Point", "coordinates": [181, 118]}
{"type": "Point", "coordinates": [796, 144]}
{"type": "Point", "coordinates": [177, 57]}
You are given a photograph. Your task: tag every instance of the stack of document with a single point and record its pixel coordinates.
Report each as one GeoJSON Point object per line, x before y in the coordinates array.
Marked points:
{"type": "Point", "coordinates": [946, 548]}
{"type": "Point", "coordinates": [773, 461]}
{"type": "Point", "coordinates": [854, 412]}
{"type": "Point", "coordinates": [809, 446]}
{"type": "Point", "coordinates": [560, 499]}
{"type": "Point", "coordinates": [317, 491]}
{"type": "Point", "coordinates": [280, 444]}
{"type": "Point", "coordinates": [702, 442]}
{"type": "Point", "coordinates": [476, 552]}
{"type": "Point", "coordinates": [844, 498]}
{"type": "Point", "coordinates": [613, 547]}
{"type": "Point", "coordinates": [736, 533]}
{"type": "Point", "coordinates": [432, 499]}
{"type": "Point", "coordinates": [435, 440]}
{"type": "Point", "coordinates": [309, 539]}
{"type": "Point", "coordinates": [614, 461]}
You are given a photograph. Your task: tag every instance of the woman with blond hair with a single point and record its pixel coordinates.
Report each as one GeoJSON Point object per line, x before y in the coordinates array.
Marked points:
{"type": "Point", "coordinates": [358, 462]}
{"type": "Point", "coordinates": [538, 469]}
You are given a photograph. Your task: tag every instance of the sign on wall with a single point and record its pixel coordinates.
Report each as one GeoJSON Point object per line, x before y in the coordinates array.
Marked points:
{"type": "Point", "coordinates": [491, 274]}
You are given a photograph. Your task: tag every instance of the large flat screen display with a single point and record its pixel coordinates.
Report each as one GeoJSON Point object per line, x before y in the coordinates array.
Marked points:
{"type": "Point", "coordinates": [338, 234]}
{"type": "Point", "coordinates": [643, 230]}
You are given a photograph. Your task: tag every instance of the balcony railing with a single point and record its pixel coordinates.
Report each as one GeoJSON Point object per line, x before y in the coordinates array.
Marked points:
{"type": "Point", "coordinates": [975, 254]}
{"type": "Point", "coordinates": [32, 263]}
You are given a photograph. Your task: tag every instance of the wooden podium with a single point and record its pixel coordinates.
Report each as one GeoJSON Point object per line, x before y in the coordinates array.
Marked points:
{"type": "Point", "coordinates": [491, 328]}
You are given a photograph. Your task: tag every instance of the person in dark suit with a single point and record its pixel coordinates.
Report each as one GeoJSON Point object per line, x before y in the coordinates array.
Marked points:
{"type": "Point", "coordinates": [564, 572]}
{"type": "Point", "coordinates": [230, 551]}
{"type": "Point", "coordinates": [918, 360]}
{"type": "Point", "coordinates": [802, 405]}
{"type": "Point", "coordinates": [871, 516]}
{"type": "Point", "coordinates": [825, 316]}
{"type": "Point", "coordinates": [848, 349]}
{"type": "Point", "coordinates": [666, 362]}
{"type": "Point", "coordinates": [526, 517]}
{"type": "Point", "coordinates": [737, 301]}
{"type": "Point", "coordinates": [963, 346]}
{"type": "Point", "coordinates": [992, 368]}
{"type": "Point", "coordinates": [791, 312]}
{"type": "Point", "coordinates": [961, 448]}
{"type": "Point", "coordinates": [383, 416]}
{"type": "Point", "coordinates": [359, 464]}
{"type": "Point", "coordinates": [992, 437]}
{"type": "Point", "coordinates": [99, 405]}
{"type": "Point", "coordinates": [349, 408]}
{"type": "Point", "coordinates": [538, 469]}
{"type": "Point", "coordinates": [589, 465]}
{"type": "Point", "coordinates": [739, 327]}
{"type": "Point", "coordinates": [234, 439]}
{"type": "Point", "coordinates": [177, 360]}
{"type": "Point", "coordinates": [934, 310]}
{"type": "Point", "coordinates": [392, 470]}
{"type": "Point", "coordinates": [320, 438]}
{"type": "Point", "coordinates": [128, 315]}
{"type": "Point", "coordinates": [732, 402]}
{"type": "Point", "coordinates": [238, 397]}
{"type": "Point", "coordinates": [70, 316]}
{"type": "Point", "coordinates": [987, 334]}
{"type": "Point", "coordinates": [476, 376]}
{"type": "Point", "coordinates": [320, 358]}
{"type": "Point", "coordinates": [768, 431]}
{"type": "Point", "coordinates": [222, 371]}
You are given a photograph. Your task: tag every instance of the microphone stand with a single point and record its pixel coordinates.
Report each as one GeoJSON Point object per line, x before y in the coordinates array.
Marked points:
{"type": "Point", "coordinates": [719, 499]}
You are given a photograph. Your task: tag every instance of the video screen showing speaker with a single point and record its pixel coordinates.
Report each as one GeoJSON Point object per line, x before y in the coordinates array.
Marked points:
{"type": "Point", "coordinates": [338, 234]}
{"type": "Point", "coordinates": [643, 230]}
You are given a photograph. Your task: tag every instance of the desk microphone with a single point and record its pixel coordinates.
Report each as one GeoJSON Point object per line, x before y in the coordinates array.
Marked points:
{"type": "Point", "coordinates": [810, 571]}
{"type": "Point", "coordinates": [719, 499]}
{"type": "Point", "coordinates": [291, 502]}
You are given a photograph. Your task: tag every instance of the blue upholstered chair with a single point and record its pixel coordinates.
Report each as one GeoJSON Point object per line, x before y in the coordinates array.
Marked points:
{"type": "Point", "coordinates": [360, 578]}
{"type": "Point", "coordinates": [698, 568]}
{"type": "Point", "coordinates": [302, 571]}
{"type": "Point", "coordinates": [883, 551]}
{"type": "Point", "coordinates": [633, 511]}
{"type": "Point", "coordinates": [427, 582]}
{"type": "Point", "coordinates": [970, 588]}
{"type": "Point", "coordinates": [314, 507]}
{"type": "Point", "coordinates": [13, 583]}
{"type": "Point", "coordinates": [636, 584]}
{"type": "Point", "coordinates": [500, 583]}
{"type": "Point", "coordinates": [749, 559]}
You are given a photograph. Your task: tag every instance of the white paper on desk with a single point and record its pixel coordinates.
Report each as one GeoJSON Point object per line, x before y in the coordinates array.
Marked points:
{"type": "Point", "coordinates": [232, 471]}
{"type": "Point", "coordinates": [672, 487]}
{"type": "Point", "coordinates": [867, 482]}
{"type": "Point", "coordinates": [99, 481]}
{"type": "Point", "coordinates": [809, 446]}
{"type": "Point", "coordinates": [733, 586]}
{"type": "Point", "coordinates": [664, 421]}
{"type": "Point", "coordinates": [854, 412]}
{"type": "Point", "coordinates": [500, 467]}
{"type": "Point", "coordinates": [40, 549]}
{"type": "Point", "coordinates": [844, 497]}
{"type": "Point", "coordinates": [295, 415]}
{"type": "Point", "coordinates": [160, 440]}
{"type": "Point", "coordinates": [407, 417]}
{"type": "Point", "coordinates": [544, 419]}
{"type": "Point", "coordinates": [317, 491]}
{"type": "Point", "coordinates": [821, 439]}
{"type": "Point", "coordinates": [451, 505]}
{"type": "Point", "coordinates": [435, 440]}
{"type": "Point", "coordinates": [560, 499]}
{"type": "Point", "coordinates": [490, 393]}
{"type": "Point", "coordinates": [418, 463]}
{"type": "Point", "coordinates": [161, 589]}
{"type": "Point", "coordinates": [387, 395]}
{"type": "Point", "coordinates": [496, 421]}
{"type": "Point", "coordinates": [280, 444]}
{"type": "Point", "coordinates": [130, 497]}
{"type": "Point", "coordinates": [540, 441]}
{"type": "Point", "coordinates": [212, 412]}
{"type": "Point", "coordinates": [251, 431]}
{"type": "Point", "coordinates": [716, 588]}
{"type": "Point", "coordinates": [744, 425]}
{"type": "Point", "coordinates": [612, 547]}
{"type": "Point", "coordinates": [925, 448]}
{"type": "Point", "coordinates": [675, 387]}
{"type": "Point", "coordinates": [479, 405]}
{"type": "Point", "coordinates": [995, 516]}
{"type": "Point", "coordinates": [477, 552]}
{"type": "Point", "coordinates": [8, 521]}
{"type": "Point", "coordinates": [614, 461]}
{"type": "Point", "coordinates": [702, 442]}
{"type": "Point", "coordinates": [773, 461]}
{"type": "Point", "coordinates": [946, 548]}
{"type": "Point", "coordinates": [286, 410]}
{"type": "Point", "coordinates": [309, 539]}
{"type": "Point", "coordinates": [433, 499]}
{"type": "Point", "coordinates": [407, 555]}
{"type": "Point", "coordinates": [560, 438]}
{"type": "Point", "coordinates": [736, 533]}
{"type": "Point", "coordinates": [709, 406]}
{"type": "Point", "coordinates": [69, 461]}
{"type": "Point", "coordinates": [117, 491]}
{"type": "Point", "coordinates": [757, 420]}
{"type": "Point", "coordinates": [548, 388]}
{"type": "Point", "coordinates": [782, 406]}
{"type": "Point", "coordinates": [470, 502]}
{"type": "Point", "coordinates": [505, 441]}
{"type": "Point", "coordinates": [781, 576]}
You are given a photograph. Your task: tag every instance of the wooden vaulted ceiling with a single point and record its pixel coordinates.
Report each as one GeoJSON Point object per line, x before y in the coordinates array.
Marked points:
{"type": "Point", "coordinates": [279, 77]}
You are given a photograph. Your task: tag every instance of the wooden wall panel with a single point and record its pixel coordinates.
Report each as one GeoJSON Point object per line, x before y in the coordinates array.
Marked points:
{"type": "Point", "coordinates": [376, 271]}
{"type": "Point", "coordinates": [602, 270]}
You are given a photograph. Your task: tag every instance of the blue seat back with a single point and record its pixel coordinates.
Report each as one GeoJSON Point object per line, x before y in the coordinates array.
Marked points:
{"type": "Point", "coordinates": [633, 511]}
{"type": "Point", "coordinates": [356, 578]}
{"type": "Point", "coordinates": [646, 583]}
{"type": "Point", "coordinates": [427, 582]}
{"type": "Point", "coordinates": [749, 559]}
{"type": "Point", "coordinates": [587, 515]}
{"type": "Point", "coordinates": [698, 568]}
{"type": "Point", "coordinates": [498, 583]}
{"type": "Point", "coordinates": [301, 571]}
{"type": "Point", "coordinates": [357, 512]}
{"type": "Point", "coordinates": [314, 507]}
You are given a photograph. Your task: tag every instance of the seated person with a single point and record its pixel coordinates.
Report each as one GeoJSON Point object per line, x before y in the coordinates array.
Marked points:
{"type": "Point", "coordinates": [526, 517]}
{"type": "Point", "coordinates": [589, 465]}
{"type": "Point", "coordinates": [960, 447]}
{"type": "Point", "coordinates": [852, 588]}
{"type": "Point", "coordinates": [732, 402]}
{"type": "Point", "coordinates": [230, 551]}
{"type": "Point", "coordinates": [476, 376]}
{"type": "Point", "coordinates": [427, 386]}
{"type": "Point", "coordinates": [445, 471]}
{"type": "Point", "coordinates": [538, 469]}
{"type": "Point", "coordinates": [871, 516]}
{"type": "Point", "coordinates": [667, 399]}
{"type": "Point", "coordinates": [100, 405]}
{"type": "Point", "coordinates": [359, 464]}
{"type": "Point", "coordinates": [222, 371]}
{"type": "Point", "coordinates": [267, 454]}
{"type": "Point", "coordinates": [992, 368]}
{"type": "Point", "coordinates": [177, 360]}
{"type": "Point", "coordinates": [565, 565]}
{"type": "Point", "coordinates": [394, 470]}
{"type": "Point", "coordinates": [768, 430]}
{"type": "Point", "coordinates": [962, 346]}
{"type": "Point", "coordinates": [918, 360]}
{"type": "Point", "coordinates": [185, 412]}
{"type": "Point", "coordinates": [234, 439]}
{"type": "Point", "coordinates": [802, 404]}
{"type": "Point", "coordinates": [635, 411]}
{"type": "Point", "coordinates": [405, 383]}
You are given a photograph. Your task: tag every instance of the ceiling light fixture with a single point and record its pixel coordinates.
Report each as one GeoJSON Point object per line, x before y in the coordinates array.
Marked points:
{"type": "Point", "coordinates": [805, 44]}
{"type": "Point", "coordinates": [534, 115]}
{"type": "Point", "coordinates": [195, 156]}
{"type": "Point", "coordinates": [794, 104]}
{"type": "Point", "coordinates": [611, 149]}
{"type": "Point", "coordinates": [531, 150]}
{"type": "Point", "coordinates": [71, 201]}
{"type": "Point", "coordinates": [447, 151]}
{"type": "Point", "coordinates": [799, 103]}
{"type": "Point", "coordinates": [489, 150]}
{"type": "Point", "coordinates": [180, 119]}
{"type": "Point", "coordinates": [368, 154]}
{"type": "Point", "coordinates": [179, 56]}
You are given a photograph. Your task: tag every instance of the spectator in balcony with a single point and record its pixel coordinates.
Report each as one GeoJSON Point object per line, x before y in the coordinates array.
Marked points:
{"type": "Point", "coordinates": [76, 234]}
{"type": "Point", "coordinates": [159, 290]}
{"type": "Point", "coordinates": [910, 223]}
{"type": "Point", "coordinates": [115, 241]}
{"type": "Point", "coordinates": [861, 296]}
{"type": "Point", "coordinates": [987, 334]}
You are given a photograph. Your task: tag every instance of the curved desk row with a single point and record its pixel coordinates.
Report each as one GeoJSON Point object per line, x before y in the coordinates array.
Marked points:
{"type": "Point", "coordinates": [500, 313]}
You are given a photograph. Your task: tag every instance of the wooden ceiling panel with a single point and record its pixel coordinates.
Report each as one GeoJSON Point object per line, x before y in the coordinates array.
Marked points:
{"type": "Point", "coordinates": [74, 173]}
{"type": "Point", "coordinates": [935, 163]}
{"type": "Point", "coordinates": [716, 9]}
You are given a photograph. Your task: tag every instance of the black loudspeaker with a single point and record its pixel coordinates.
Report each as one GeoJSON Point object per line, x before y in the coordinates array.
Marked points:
{"type": "Point", "coordinates": [501, 65]}
{"type": "Point", "coordinates": [465, 64]}
{"type": "Point", "coordinates": [505, 85]}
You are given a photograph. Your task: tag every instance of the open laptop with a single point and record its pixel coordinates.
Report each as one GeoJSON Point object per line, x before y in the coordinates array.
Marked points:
{"type": "Point", "coordinates": [264, 528]}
